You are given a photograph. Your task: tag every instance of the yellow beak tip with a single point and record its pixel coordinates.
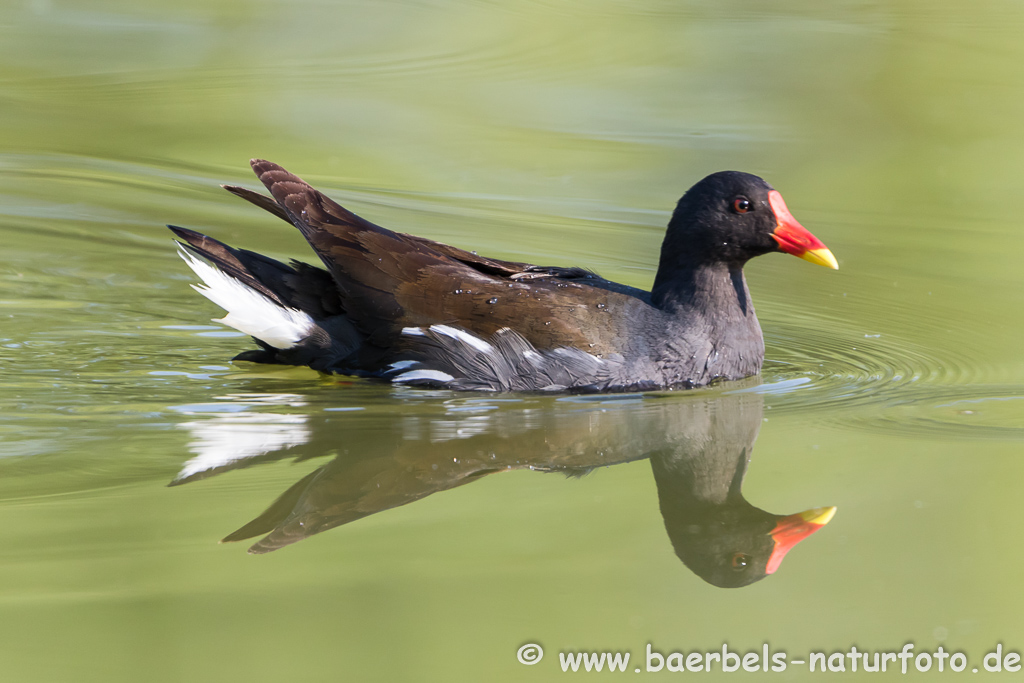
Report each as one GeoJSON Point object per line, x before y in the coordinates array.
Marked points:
{"type": "Point", "coordinates": [822, 257]}
{"type": "Point", "coordinates": [820, 516]}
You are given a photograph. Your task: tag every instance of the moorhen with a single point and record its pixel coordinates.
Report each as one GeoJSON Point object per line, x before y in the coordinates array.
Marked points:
{"type": "Point", "coordinates": [414, 311]}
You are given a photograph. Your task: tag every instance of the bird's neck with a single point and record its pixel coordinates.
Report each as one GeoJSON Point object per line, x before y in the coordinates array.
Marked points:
{"type": "Point", "coordinates": [702, 288]}
{"type": "Point", "coordinates": [710, 323]}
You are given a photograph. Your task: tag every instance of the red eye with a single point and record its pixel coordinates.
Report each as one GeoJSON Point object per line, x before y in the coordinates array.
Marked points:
{"type": "Point", "coordinates": [742, 205]}
{"type": "Point", "coordinates": [740, 561]}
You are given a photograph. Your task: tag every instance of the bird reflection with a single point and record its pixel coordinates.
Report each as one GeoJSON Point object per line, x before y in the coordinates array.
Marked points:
{"type": "Point", "coordinates": [699, 446]}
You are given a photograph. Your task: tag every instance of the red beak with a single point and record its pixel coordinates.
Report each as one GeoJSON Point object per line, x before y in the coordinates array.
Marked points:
{"type": "Point", "coordinates": [795, 239]}
{"type": "Point", "coordinates": [793, 529]}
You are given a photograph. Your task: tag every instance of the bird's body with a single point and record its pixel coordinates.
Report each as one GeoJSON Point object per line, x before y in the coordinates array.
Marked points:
{"type": "Point", "coordinates": [414, 311]}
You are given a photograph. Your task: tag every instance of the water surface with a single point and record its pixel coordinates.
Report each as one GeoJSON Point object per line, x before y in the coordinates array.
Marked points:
{"type": "Point", "coordinates": [538, 131]}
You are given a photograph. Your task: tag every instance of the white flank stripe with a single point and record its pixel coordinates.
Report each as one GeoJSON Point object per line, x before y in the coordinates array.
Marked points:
{"type": "Point", "coordinates": [414, 331]}
{"type": "Point", "coordinates": [435, 375]}
{"type": "Point", "coordinates": [568, 351]}
{"type": "Point", "coordinates": [403, 364]}
{"type": "Point", "coordinates": [463, 336]}
{"type": "Point", "coordinates": [248, 310]}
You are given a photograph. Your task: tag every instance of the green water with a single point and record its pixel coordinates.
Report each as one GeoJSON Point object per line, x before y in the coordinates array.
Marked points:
{"type": "Point", "coordinates": [544, 131]}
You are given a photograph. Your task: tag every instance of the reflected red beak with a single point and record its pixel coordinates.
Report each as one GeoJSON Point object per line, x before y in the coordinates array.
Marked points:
{"type": "Point", "coordinates": [793, 529]}
{"type": "Point", "coordinates": [795, 239]}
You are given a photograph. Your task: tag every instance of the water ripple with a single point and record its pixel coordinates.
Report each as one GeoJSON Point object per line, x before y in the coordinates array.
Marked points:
{"type": "Point", "coordinates": [880, 382]}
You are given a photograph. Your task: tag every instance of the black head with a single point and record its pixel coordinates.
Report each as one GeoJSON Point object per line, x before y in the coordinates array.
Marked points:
{"type": "Point", "coordinates": [726, 217]}
{"type": "Point", "coordinates": [730, 217]}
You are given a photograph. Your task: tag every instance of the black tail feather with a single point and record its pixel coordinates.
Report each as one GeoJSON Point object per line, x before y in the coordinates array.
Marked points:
{"type": "Point", "coordinates": [261, 200]}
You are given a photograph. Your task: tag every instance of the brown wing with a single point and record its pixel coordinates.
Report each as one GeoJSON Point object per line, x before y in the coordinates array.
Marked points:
{"type": "Point", "coordinates": [481, 263]}
{"type": "Point", "coordinates": [391, 280]}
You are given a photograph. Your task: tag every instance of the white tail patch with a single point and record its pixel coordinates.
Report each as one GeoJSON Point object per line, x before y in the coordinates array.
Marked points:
{"type": "Point", "coordinates": [248, 310]}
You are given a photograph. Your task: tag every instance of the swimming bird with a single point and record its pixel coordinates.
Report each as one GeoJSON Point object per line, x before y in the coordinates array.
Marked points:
{"type": "Point", "coordinates": [413, 311]}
